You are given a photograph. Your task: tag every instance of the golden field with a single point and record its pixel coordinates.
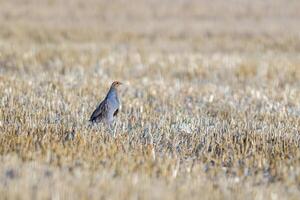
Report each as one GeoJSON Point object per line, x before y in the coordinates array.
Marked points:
{"type": "Point", "coordinates": [210, 102]}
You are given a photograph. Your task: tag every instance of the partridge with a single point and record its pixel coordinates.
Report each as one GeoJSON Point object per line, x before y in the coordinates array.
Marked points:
{"type": "Point", "coordinates": [109, 107]}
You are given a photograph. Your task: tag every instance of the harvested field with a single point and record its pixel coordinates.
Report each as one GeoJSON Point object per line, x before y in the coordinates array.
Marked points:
{"type": "Point", "coordinates": [210, 102]}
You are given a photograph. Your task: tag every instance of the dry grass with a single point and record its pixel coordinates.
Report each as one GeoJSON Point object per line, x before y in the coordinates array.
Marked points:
{"type": "Point", "coordinates": [211, 102]}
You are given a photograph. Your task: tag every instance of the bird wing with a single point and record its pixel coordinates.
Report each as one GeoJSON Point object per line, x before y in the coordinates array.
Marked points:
{"type": "Point", "coordinates": [100, 111]}
{"type": "Point", "coordinates": [116, 112]}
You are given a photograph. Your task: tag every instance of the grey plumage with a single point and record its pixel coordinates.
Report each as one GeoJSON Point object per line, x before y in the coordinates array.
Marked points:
{"type": "Point", "coordinates": [109, 107]}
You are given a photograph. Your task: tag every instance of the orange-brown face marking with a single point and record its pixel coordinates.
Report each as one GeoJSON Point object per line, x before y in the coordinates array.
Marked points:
{"type": "Point", "coordinates": [116, 84]}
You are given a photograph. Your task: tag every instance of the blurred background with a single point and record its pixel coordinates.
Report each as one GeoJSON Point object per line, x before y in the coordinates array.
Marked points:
{"type": "Point", "coordinates": [177, 25]}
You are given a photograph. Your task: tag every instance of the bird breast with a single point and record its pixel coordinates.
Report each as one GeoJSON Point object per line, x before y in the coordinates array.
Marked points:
{"type": "Point", "coordinates": [113, 103]}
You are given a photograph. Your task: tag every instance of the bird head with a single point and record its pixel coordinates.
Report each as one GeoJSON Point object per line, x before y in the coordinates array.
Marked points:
{"type": "Point", "coordinates": [116, 84]}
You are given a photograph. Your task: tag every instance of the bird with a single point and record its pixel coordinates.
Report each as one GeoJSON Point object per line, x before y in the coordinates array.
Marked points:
{"type": "Point", "coordinates": [108, 109]}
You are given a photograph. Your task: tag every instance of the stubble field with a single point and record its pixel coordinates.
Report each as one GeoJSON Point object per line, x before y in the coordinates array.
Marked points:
{"type": "Point", "coordinates": [210, 101]}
